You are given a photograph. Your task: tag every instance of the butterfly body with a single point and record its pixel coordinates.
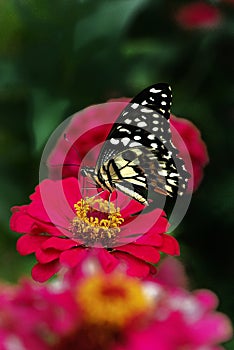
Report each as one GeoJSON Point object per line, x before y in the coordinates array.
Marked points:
{"type": "Point", "coordinates": [138, 156]}
{"type": "Point", "coordinates": [121, 173]}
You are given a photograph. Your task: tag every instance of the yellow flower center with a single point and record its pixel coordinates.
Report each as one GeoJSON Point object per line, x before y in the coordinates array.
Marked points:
{"type": "Point", "coordinates": [111, 300]}
{"type": "Point", "coordinates": [97, 222]}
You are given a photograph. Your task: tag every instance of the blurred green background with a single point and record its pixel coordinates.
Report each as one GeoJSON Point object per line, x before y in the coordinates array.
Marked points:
{"type": "Point", "coordinates": [58, 56]}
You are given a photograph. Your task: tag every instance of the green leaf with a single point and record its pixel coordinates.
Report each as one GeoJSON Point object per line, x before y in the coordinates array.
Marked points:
{"type": "Point", "coordinates": [48, 112]}
{"type": "Point", "coordinates": [108, 21]}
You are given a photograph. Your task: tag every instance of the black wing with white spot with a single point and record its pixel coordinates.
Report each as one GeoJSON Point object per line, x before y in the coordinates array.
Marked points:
{"type": "Point", "coordinates": [137, 116]}
{"type": "Point", "coordinates": [143, 128]}
{"type": "Point", "coordinates": [157, 97]}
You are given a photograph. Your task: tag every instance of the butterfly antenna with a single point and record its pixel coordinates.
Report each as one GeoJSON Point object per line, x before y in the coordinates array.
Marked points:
{"type": "Point", "coordinates": [65, 164]}
{"type": "Point", "coordinates": [116, 200]}
{"type": "Point", "coordinates": [109, 200]}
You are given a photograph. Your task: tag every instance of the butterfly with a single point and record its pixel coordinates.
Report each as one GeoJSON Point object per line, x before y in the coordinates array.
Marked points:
{"type": "Point", "coordinates": [138, 157]}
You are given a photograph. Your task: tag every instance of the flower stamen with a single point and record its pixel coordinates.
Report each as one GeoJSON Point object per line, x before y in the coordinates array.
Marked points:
{"type": "Point", "coordinates": [97, 222]}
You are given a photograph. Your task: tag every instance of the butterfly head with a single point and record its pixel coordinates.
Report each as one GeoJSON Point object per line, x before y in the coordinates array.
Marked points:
{"type": "Point", "coordinates": [87, 172]}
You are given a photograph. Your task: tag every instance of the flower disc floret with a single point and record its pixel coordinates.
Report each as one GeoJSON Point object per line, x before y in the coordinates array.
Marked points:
{"type": "Point", "coordinates": [97, 222]}
{"type": "Point", "coordinates": [111, 300]}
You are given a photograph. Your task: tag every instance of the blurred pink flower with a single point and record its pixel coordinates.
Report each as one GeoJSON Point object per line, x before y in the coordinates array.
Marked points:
{"type": "Point", "coordinates": [198, 14]}
{"type": "Point", "coordinates": [31, 316]}
{"type": "Point", "coordinates": [96, 311]}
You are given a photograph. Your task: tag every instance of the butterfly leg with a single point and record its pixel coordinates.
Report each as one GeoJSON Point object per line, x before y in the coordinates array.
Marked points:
{"type": "Point", "coordinates": [84, 188]}
{"type": "Point", "coordinates": [97, 194]}
{"type": "Point", "coordinates": [109, 201]}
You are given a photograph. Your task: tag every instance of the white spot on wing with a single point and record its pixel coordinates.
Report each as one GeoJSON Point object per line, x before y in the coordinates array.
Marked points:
{"type": "Point", "coordinates": [141, 178]}
{"type": "Point", "coordinates": [151, 137]}
{"type": "Point", "coordinates": [171, 182]}
{"type": "Point", "coordinates": [155, 91]}
{"type": "Point", "coordinates": [125, 141]}
{"type": "Point", "coordinates": [146, 110]}
{"type": "Point", "coordinates": [154, 145]}
{"type": "Point", "coordinates": [128, 121]}
{"type": "Point", "coordinates": [168, 155]}
{"type": "Point", "coordinates": [141, 124]}
{"type": "Point", "coordinates": [137, 138]}
{"type": "Point", "coordinates": [134, 105]}
{"type": "Point", "coordinates": [173, 174]}
{"type": "Point", "coordinates": [162, 172]}
{"type": "Point", "coordinates": [114, 141]}
{"type": "Point", "coordinates": [125, 130]}
{"type": "Point", "coordinates": [168, 188]}
{"type": "Point", "coordinates": [134, 144]}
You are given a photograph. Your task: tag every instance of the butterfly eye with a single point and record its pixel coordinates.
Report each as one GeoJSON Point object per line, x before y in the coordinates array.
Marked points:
{"type": "Point", "coordinates": [83, 172]}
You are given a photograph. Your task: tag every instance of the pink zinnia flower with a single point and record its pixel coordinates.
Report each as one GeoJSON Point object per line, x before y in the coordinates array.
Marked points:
{"type": "Point", "coordinates": [96, 119]}
{"type": "Point", "coordinates": [198, 15]}
{"type": "Point", "coordinates": [60, 229]}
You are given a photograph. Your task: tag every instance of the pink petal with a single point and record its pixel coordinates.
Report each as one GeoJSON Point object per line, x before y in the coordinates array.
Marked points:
{"type": "Point", "coordinates": [46, 256]}
{"type": "Point", "coordinates": [212, 329]}
{"type": "Point", "coordinates": [73, 257]}
{"type": "Point", "coordinates": [28, 244]}
{"type": "Point", "coordinates": [151, 239]}
{"type": "Point", "coordinates": [146, 253]}
{"type": "Point", "coordinates": [207, 298]}
{"type": "Point", "coordinates": [172, 273]}
{"type": "Point", "coordinates": [59, 243]}
{"type": "Point", "coordinates": [107, 260]}
{"type": "Point", "coordinates": [20, 220]}
{"type": "Point", "coordinates": [42, 272]}
{"type": "Point", "coordinates": [131, 208]}
{"type": "Point", "coordinates": [170, 245]}
{"type": "Point", "coordinates": [154, 236]}
{"type": "Point", "coordinates": [134, 267]}
{"type": "Point", "coordinates": [56, 201]}
{"type": "Point", "coordinates": [153, 222]}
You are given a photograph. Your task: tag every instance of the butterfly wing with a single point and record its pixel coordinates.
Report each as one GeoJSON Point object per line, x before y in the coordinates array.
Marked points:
{"type": "Point", "coordinates": [127, 174]}
{"type": "Point", "coordinates": [156, 98]}
{"type": "Point", "coordinates": [143, 128]}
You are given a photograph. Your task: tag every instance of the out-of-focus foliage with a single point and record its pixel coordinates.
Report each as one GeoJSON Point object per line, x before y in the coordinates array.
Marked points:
{"type": "Point", "coordinates": [57, 57]}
